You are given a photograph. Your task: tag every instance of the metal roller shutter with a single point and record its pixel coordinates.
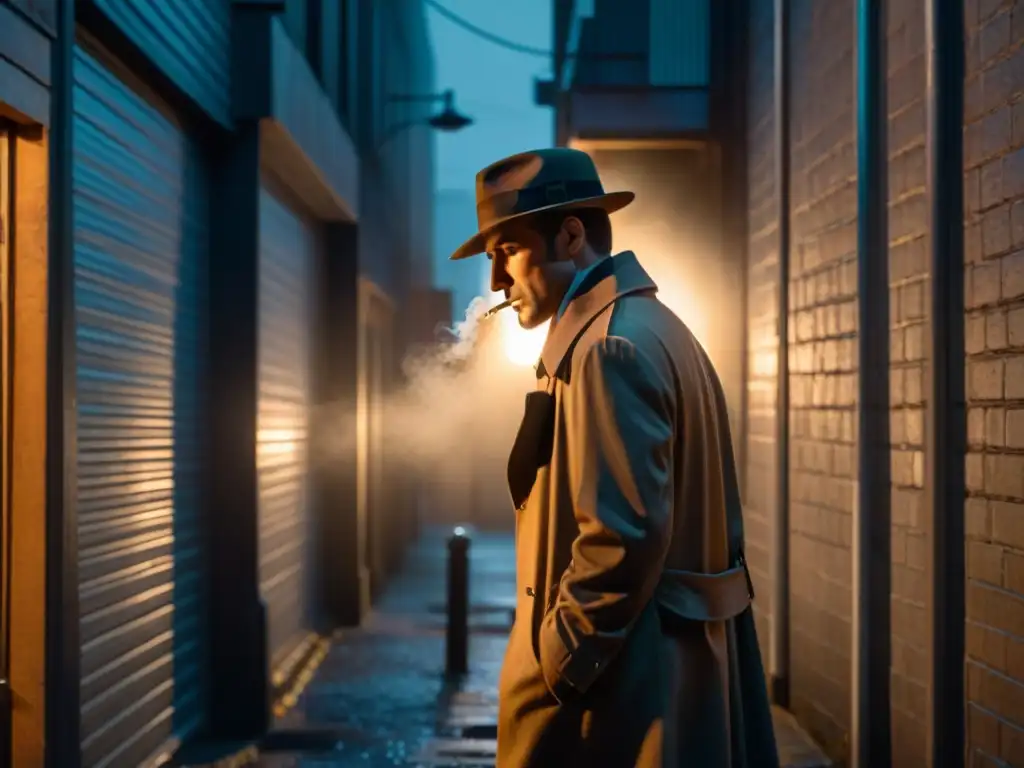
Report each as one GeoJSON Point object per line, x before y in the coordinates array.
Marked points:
{"type": "Point", "coordinates": [139, 265]}
{"type": "Point", "coordinates": [287, 250]}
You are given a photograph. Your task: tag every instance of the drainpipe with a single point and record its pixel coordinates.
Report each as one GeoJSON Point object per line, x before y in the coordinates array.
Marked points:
{"type": "Point", "coordinates": [779, 658]}
{"type": "Point", "coordinates": [945, 416]}
{"type": "Point", "coordinates": [870, 727]}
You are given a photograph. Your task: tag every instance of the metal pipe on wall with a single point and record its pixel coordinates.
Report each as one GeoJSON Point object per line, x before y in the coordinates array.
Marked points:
{"type": "Point", "coordinates": [945, 427]}
{"type": "Point", "coordinates": [870, 738]}
{"type": "Point", "coordinates": [779, 647]}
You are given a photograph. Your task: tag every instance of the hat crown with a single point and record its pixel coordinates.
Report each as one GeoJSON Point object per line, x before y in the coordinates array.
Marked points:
{"type": "Point", "coordinates": [532, 180]}
{"type": "Point", "coordinates": [536, 168]}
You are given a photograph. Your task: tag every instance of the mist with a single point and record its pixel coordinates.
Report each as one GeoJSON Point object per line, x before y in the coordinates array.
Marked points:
{"type": "Point", "coordinates": [449, 424]}
{"type": "Point", "coordinates": [465, 395]}
{"type": "Point", "coordinates": [452, 421]}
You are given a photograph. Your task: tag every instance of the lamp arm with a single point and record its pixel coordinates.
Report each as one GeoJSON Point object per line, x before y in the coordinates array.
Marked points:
{"type": "Point", "coordinates": [447, 97]}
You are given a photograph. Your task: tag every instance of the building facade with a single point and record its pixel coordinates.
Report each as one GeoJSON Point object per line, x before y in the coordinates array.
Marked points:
{"type": "Point", "coordinates": [216, 218]}
{"type": "Point", "coordinates": [638, 86]}
{"type": "Point", "coordinates": [874, 211]}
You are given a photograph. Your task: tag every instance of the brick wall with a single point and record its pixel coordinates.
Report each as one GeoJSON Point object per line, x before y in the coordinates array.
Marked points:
{"type": "Point", "coordinates": [762, 313]}
{"type": "Point", "coordinates": [822, 334]}
{"type": "Point", "coordinates": [823, 376]}
{"type": "Point", "coordinates": [823, 359]}
{"type": "Point", "coordinates": [823, 379]}
{"type": "Point", "coordinates": [994, 297]}
{"type": "Point", "coordinates": [908, 271]}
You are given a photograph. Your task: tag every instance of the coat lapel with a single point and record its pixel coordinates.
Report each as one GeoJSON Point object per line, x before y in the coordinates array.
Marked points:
{"type": "Point", "coordinates": [617, 276]}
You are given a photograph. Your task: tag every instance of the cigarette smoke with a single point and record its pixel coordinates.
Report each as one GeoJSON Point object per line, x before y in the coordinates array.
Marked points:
{"type": "Point", "coordinates": [451, 423]}
{"type": "Point", "coordinates": [460, 398]}
{"type": "Point", "coordinates": [448, 425]}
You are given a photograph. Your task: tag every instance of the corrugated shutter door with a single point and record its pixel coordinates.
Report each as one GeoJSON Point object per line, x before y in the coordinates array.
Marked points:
{"type": "Point", "coordinates": [139, 262]}
{"type": "Point", "coordinates": [287, 248]}
{"type": "Point", "coordinates": [680, 43]}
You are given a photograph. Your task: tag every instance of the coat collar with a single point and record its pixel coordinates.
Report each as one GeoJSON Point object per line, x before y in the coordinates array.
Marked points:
{"type": "Point", "coordinates": [616, 277]}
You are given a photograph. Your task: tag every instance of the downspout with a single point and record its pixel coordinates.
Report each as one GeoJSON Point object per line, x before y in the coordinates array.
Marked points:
{"type": "Point", "coordinates": [779, 647]}
{"type": "Point", "coordinates": [870, 738]}
{"type": "Point", "coordinates": [945, 428]}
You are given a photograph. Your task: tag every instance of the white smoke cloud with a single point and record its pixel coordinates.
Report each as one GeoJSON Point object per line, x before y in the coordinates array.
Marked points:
{"type": "Point", "coordinates": [449, 424]}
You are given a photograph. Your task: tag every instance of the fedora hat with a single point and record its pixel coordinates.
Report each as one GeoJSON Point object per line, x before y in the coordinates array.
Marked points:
{"type": "Point", "coordinates": [533, 182]}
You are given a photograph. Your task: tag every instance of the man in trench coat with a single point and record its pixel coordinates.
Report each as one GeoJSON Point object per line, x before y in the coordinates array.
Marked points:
{"type": "Point", "coordinates": [634, 643]}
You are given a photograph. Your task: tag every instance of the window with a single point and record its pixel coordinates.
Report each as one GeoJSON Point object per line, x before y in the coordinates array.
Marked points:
{"type": "Point", "coordinates": [296, 22]}
{"type": "Point", "coordinates": [679, 43]}
{"type": "Point", "coordinates": [316, 10]}
{"type": "Point", "coordinates": [346, 59]}
{"type": "Point", "coordinates": [328, 29]}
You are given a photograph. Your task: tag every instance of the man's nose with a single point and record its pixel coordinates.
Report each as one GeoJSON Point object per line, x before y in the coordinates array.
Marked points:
{"type": "Point", "coordinates": [500, 279]}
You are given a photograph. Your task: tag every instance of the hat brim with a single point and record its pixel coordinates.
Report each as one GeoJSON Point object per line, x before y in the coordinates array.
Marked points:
{"type": "Point", "coordinates": [608, 202]}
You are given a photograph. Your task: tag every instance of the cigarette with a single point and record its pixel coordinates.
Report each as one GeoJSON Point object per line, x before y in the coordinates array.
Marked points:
{"type": "Point", "coordinates": [498, 307]}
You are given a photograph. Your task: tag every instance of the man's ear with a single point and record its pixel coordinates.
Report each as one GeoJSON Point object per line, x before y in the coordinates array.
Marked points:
{"type": "Point", "coordinates": [576, 235]}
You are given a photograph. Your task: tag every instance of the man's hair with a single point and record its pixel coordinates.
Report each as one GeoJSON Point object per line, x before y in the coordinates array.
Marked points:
{"type": "Point", "coordinates": [595, 221]}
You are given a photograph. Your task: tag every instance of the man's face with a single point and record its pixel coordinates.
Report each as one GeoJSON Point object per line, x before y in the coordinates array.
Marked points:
{"type": "Point", "coordinates": [532, 271]}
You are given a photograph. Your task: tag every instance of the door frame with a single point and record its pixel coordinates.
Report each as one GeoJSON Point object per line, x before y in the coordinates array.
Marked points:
{"type": "Point", "coordinates": [376, 314]}
{"type": "Point", "coordinates": [6, 219]}
{"type": "Point", "coordinates": [709, 153]}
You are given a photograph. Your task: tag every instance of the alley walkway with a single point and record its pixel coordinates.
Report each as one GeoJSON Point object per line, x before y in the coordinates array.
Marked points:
{"type": "Point", "coordinates": [379, 695]}
{"type": "Point", "coordinates": [379, 698]}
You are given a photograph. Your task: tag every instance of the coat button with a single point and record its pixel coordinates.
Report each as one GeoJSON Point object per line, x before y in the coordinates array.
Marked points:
{"type": "Point", "coordinates": [530, 592]}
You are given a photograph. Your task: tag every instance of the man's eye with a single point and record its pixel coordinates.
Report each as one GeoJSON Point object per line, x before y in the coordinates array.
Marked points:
{"type": "Point", "coordinates": [511, 250]}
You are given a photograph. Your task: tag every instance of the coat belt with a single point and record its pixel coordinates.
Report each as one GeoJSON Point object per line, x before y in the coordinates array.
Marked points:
{"type": "Point", "coordinates": [693, 596]}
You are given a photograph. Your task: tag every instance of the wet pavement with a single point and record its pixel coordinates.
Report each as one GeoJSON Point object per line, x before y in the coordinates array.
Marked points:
{"type": "Point", "coordinates": [379, 696]}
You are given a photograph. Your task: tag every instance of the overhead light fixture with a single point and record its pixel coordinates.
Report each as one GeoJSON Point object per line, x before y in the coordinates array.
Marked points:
{"type": "Point", "coordinates": [449, 119]}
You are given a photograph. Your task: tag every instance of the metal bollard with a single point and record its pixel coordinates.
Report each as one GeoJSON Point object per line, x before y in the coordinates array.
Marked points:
{"type": "Point", "coordinates": [457, 637]}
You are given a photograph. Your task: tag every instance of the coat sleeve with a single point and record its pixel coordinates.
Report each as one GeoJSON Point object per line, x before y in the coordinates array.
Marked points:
{"type": "Point", "coordinates": [619, 423]}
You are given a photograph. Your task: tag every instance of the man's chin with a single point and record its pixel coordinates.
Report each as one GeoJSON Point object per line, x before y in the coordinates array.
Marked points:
{"type": "Point", "coordinates": [530, 318]}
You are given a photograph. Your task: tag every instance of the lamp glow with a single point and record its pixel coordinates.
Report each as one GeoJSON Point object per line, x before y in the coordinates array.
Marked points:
{"type": "Point", "coordinates": [522, 346]}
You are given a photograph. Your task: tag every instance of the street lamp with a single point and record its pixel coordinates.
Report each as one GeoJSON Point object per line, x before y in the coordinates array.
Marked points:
{"type": "Point", "coordinates": [449, 119]}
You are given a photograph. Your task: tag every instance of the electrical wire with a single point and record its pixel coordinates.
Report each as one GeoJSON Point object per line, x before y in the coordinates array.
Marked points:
{"type": "Point", "coordinates": [528, 50]}
{"type": "Point", "coordinates": [490, 37]}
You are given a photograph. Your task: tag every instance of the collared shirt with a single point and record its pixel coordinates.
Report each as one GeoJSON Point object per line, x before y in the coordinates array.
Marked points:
{"type": "Point", "coordinates": [577, 281]}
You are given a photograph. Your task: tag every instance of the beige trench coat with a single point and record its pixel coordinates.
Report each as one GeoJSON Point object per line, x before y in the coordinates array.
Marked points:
{"type": "Point", "coordinates": [633, 643]}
